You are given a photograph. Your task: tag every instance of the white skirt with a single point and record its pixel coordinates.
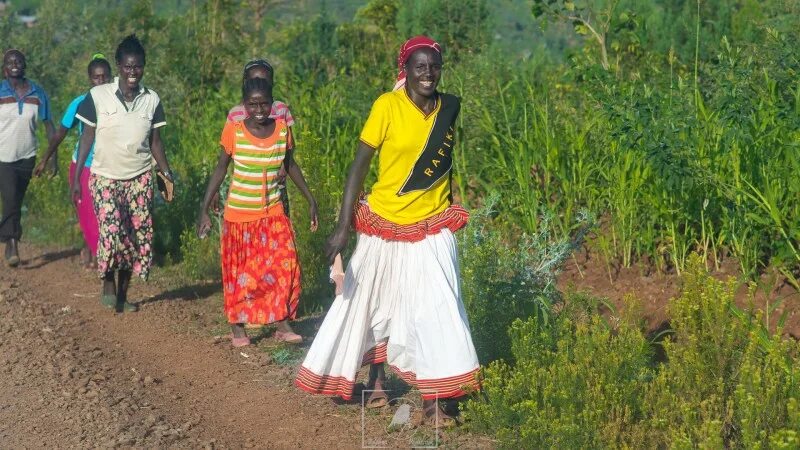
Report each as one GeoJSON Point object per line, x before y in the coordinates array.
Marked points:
{"type": "Point", "coordinates": [401, 305]}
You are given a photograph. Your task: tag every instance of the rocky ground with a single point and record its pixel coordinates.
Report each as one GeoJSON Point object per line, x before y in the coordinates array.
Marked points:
{"type": "Point", "coordinates": [73, 374]}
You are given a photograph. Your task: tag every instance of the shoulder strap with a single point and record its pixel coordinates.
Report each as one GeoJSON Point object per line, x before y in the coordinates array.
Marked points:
{"type": "Point", "coordinates": [436, 158]}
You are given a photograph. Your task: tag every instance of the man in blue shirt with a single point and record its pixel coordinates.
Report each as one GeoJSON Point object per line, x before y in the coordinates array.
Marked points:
{"type": "Point", "coordinates": [22, 105]}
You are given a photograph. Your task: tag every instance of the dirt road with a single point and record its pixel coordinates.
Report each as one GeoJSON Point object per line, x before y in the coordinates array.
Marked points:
{"type": "Point", "coordinates": [73, 374]}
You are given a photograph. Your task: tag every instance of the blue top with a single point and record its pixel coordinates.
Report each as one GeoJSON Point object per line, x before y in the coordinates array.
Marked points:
{"type": "Point", "coordinates": [42, 100]}
{"type": "Point", "coordinates": [18, 119]}
{"type": "Point", "coordinates": [68, 121]}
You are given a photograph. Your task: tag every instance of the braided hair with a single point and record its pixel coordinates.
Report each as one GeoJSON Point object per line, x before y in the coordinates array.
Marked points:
{"type": "Point", "coordinates": [258, 63]}
{"type": "Point", "coordinates": [130, 45]}
{"type": "Point", "coordinates": [98, 59]}
{"type": "Point", "coordinates": [256, 85]}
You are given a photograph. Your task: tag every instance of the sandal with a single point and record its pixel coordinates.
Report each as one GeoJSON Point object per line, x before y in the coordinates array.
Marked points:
{"type": "Point", "coordinates": [377, 399]}
{"type": "Point", "coordinates": [239, 342]}
{"type": "Point", "coordinates": [109, 300]}
{"type": "Point", "coordinates": [127, 307]}
{"type": "Point", "coordinates": [436, 416]}
{"type": "Point", "coordinates": [12, 253]}
{"type": "Point", "coordinates": [12, 261]}
{"type": "Point", "coordinates": [288, 336]}
{"type": "Point", "coordinates": [90, 266]}
{"type": "Point", "coordinates": [337, 274]}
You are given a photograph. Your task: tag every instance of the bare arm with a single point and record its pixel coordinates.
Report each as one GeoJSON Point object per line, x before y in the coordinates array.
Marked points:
{"type": "Point", "coordinates": [87, 139]}
{"type": "Point", "coordinates": [157, 148]}
{"type": "Point", "coordinates": [217, 177]}
{"type": "Point", "coordinates": [52, 147]}
{"type": "Point", "coordinates": [294, 172]}
{"type": "Point", "coordinates": [352, 188]}
{"type": "Point", "coordinates": [49, 129]}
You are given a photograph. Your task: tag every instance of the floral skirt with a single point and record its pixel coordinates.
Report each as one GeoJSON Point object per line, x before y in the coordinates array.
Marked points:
{"type": "Point", "coordinates": [260, 271]}
{"type": "Point", "coordinates": [123, 209]}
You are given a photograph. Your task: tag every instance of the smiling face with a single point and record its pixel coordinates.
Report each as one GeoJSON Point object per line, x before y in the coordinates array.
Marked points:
{"type": "Point", "coordinates": [14, 65]}
{"type": "Point", "coordinates": [131, 70]}
{"type": "Point", "coordinates": [423, 71]}
{"type": "Point", "coordinates": [258, 104]}
{"type": "Point", "coordinates": [99, 75]}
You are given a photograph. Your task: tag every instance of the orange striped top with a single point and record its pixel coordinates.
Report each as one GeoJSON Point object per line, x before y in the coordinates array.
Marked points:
{"type": "Point", "coordinates": [253, 192]}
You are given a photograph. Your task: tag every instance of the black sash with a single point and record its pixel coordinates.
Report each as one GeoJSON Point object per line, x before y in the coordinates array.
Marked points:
{"type": "Point", "coordinates": [436, 158]}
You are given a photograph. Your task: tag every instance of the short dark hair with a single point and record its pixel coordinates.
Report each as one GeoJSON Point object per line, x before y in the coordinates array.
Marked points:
{"type": "Point", "coordinates": [11, 51]}
{"type": "Point", "coordinates": [256, 85]}
{"type": "Point", "coordinates": [130, 46]}
{"type": "Point", "coordinates": [98, 59]}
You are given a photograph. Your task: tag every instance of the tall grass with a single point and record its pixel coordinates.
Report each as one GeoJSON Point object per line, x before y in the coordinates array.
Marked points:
{"type": "Point", "coordinates": [669, 166]}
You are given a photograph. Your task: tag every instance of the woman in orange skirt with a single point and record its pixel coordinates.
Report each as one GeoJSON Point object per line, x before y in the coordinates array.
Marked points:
{"type": "Point", "coordinates": [260, 270]}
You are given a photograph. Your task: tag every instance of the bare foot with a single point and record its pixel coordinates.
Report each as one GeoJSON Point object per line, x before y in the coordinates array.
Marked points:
{"type": "Point", "coordinates": [239, 336]}
{"type": "Point", "coordinates": [285, 333]}
{"type": "Point", "coordinates": [237, 330]}
{"type": "Point", "coordinates": [86, 257]}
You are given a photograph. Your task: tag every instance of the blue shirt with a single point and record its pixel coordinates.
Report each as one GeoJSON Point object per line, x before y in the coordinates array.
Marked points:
{"type": "Point", "coordinates": [18, 120]}
{"type": "Point", "coordinates": [68, 121]}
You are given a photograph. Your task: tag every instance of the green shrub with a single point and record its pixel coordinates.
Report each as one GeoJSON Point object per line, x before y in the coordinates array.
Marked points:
{"type": "Point", "coordinates": [583, 382]}
{"type": "Point", "coordinates": [201, 257]}
{"type": "Point", "coordinates": [767, 394]}
{"type": "Point", "coordinates": [690, 400]}
{"type": "Point", "coordinates": [502, 282]}
{"type": "Point", "coordinates": [48, 214]}
{"type": "Point", "coordinates": [576, 383]}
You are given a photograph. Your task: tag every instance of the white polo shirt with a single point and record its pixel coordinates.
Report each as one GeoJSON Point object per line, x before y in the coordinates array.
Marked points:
{"type": "Point", "coordinates": [122, 129]}
{"type": "Point", "coordinates": [18, 120]}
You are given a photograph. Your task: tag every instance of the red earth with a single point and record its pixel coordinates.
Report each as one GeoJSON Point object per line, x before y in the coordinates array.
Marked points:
{"type": "Point", "coordinates": [74, 374]}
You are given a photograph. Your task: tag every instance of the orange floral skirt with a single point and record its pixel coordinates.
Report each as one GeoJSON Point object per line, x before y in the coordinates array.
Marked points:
{"type": "Point", "coordinates": [260, 271]}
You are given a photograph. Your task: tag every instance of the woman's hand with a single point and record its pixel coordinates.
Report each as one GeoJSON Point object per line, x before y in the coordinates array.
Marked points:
{"type": "Point", "coordinates": [312, 212]}
{"type": "Point", "coordinates": [282, 174]}
{"type": "Point", "coordinates": [336, 243]}
{"type": "Point", "coordinates": [203, 224]}
{"type": "Point", "coordinates": [216, 205]}
{"type": "Point", "coordinates": [76, 193]}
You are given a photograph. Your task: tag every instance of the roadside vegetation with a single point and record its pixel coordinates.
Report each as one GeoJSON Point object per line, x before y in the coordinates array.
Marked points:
{"type": "Point", "coordinates": [658, 134]}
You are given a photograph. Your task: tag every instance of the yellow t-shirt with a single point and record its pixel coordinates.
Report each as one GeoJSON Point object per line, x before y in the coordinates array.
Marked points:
{"type": "Point", "coordinates": [399, 130]}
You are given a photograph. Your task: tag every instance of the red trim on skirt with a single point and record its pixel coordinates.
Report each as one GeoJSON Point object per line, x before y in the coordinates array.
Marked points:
{"type": "Point", "coordinates": [449, 387]}
{"type": "Point", "coordinates": [368, 222]}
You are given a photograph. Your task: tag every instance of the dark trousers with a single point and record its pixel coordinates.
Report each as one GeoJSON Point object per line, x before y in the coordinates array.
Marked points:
{"type": "Point", "coordinates": [14, 179]}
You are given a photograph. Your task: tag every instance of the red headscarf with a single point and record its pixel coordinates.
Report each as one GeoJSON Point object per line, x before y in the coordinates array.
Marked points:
{"type": "Point", "coordinates": [415, 43]}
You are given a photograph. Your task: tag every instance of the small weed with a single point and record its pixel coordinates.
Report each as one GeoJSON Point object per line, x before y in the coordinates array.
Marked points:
{"type": "Point", "coordinates": [285, 355]}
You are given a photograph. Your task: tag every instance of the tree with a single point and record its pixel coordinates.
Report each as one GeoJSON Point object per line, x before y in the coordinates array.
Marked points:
{"type": "Point", "coordinates": [589, 17]}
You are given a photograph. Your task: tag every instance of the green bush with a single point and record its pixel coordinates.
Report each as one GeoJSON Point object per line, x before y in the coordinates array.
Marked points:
{"type": "Point", "coordinates": [576, 383]}
{"type": "Point", "coordinates": [580, 381]}
{"type": "Point", "coordinates": [767, 395]}
{"type": "Point", "coordinates": [502, 282]}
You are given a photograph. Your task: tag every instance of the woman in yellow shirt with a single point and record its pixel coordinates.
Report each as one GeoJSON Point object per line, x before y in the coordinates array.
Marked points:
{"type": "Point", "coordinates": [401, 301]}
